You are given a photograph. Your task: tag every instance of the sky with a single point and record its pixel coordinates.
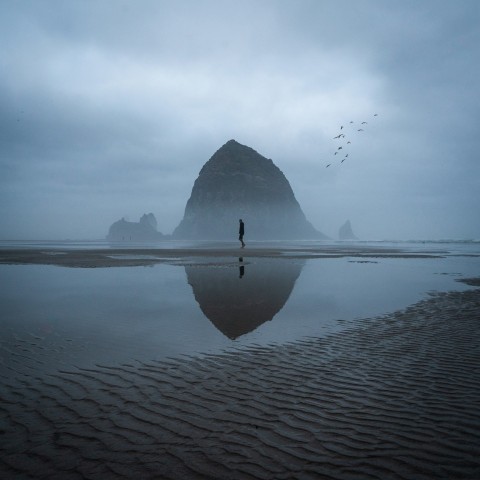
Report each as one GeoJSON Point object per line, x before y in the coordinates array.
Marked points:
{"type": "Point", "coordinates": [110, 108]}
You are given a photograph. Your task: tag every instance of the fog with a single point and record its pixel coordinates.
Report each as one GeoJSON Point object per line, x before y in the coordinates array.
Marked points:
{"type": "Point", "coordinates": [109, 109]}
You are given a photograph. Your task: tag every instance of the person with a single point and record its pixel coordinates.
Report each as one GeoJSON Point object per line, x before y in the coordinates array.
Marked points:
{"type": "Point", "coordinates": [241, 233]}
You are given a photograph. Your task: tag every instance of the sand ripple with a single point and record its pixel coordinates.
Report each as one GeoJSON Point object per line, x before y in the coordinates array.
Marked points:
{"type": "Point", "coordinates": [391, 398]}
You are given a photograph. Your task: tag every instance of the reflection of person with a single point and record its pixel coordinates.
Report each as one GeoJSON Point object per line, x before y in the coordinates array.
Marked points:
{"type": "Point", "coordinates": [241, 232]}
{"type": "Point", "coordinates": [241, 268]}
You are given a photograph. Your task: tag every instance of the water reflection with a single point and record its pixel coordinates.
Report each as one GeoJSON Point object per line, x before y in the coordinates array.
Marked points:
{"type": "Point", "coordinates": [239, 301]}
{"type": "Point", "coordinates": [241, 268]}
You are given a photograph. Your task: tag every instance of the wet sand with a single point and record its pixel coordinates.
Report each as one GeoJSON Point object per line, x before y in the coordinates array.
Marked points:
{"type": "Point", "coordinates": [126, 257]}
{"type": "Point", "coordinates": [395, 397]}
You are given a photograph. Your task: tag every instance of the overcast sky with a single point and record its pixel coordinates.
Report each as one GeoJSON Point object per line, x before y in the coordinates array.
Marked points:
{"type": "Point", "coordinates": [109, 109]}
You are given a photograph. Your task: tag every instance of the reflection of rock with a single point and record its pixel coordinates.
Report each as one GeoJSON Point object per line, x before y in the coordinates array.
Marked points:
{"type": "Point", "coordinates": [238, 300]}
{"type": "Point", "coordinates": [345, 232]}
{"type": "Point", "coordinates": [145, 230]}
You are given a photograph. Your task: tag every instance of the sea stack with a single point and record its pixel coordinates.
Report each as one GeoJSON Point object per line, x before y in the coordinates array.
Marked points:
{"type": "Point", "coordinates": [345, 232]}
{"type": "Point", "coordinates": [237, 182]}
{"type": "Point", "coordinates": [143, 231]}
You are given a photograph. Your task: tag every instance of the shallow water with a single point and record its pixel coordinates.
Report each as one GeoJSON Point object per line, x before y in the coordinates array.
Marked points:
{"type": "Point", "coordinates": [88, 391]}
{"type": "Point", "coordinates": [53, 316]}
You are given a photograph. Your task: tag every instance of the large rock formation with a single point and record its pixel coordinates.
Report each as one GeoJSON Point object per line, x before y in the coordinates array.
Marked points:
{"type": "Point", "coordinates": [237, 182]}
{"type": "Point", "coordinates": [143, 231]}
{"type": "Point", "coordinates": [345, 232]}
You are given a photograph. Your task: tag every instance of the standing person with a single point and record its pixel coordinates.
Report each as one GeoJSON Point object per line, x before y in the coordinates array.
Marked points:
{"type": "Point", "coordinates": [241, 233]}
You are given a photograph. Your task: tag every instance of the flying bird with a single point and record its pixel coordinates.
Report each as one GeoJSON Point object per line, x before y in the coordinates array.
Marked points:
{"type": "Point", "coordinates": [342, 135]}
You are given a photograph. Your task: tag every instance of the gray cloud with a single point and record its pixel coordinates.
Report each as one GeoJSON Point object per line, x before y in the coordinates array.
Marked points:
{"type": "Point", "coordinates": [110, 109]}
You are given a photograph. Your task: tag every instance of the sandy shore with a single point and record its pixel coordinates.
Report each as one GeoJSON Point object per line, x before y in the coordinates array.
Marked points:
{"type": "Point", "coordinates": [396, 397]}
{"type": "Point", "coordinates": [125, 257]}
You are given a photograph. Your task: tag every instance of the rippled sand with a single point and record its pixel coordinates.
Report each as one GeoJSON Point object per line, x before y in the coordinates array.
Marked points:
{"type": "Point", "coordinates": [396, 397]}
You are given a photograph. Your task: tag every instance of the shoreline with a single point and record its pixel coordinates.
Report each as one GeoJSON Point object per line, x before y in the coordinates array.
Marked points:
{"type": "Point", "coordinates": [125, 257]}
{"type": "Point", "coordinates": [394, 396]}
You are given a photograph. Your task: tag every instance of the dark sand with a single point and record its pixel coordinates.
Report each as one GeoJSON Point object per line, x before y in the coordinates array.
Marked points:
{"type": "Point", "coordinates": [396, 397]}
{"type": "Point", "coordinates": [126, 257]}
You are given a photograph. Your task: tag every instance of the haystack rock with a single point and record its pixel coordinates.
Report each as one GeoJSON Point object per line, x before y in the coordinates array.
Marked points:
{"type": "Point", "coordinates": [237, 182]}
{"type": "Point", "coordinates": [143, 231]}
{"type": "Point", "coordinates": [345, 232]}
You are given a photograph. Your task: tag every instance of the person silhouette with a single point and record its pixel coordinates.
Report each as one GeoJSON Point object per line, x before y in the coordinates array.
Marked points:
{"type": "Point", "coordinates": [241, 233]}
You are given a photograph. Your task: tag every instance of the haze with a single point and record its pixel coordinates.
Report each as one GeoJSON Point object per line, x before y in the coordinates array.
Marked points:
{"type": "Point", "coordinates": [109, 109]}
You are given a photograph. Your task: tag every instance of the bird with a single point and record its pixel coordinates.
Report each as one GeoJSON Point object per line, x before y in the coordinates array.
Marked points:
{"type": "Point", "coordinates": [349, 142]}
{"type": "Point", "coordinates": [375, 114]}
{"type": "Point", "coordinates": [346, 155]}
{"type": "Point", "coordinates": [342, 160]}
{"type": "Point", "coordinates": [335, 153]}
{"type": "Point", "coordinates": [341, 127]}
{"type": "Point", "coordinates": [328, 165]}
{"type": "Point", "coordinates": [364, 123]}
{"type": "Point", "coordinates": [338, 136]}
{"type": "Point", "coordinates": [339, 148]}
{"type": "Point", "coordinates": [342, 135]}
{"type": "Point", "coordinates": [360, 130]}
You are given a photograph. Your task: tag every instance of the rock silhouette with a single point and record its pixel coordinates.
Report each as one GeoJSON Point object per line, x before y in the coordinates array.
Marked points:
{"type": "Point", "coordinates": [237, 182]}
{"type": "Point", "coordinates": [144, 230]}
{"type": "Point", "coordinates": [238, 301]}
{"type": "Point", "coordinates": [345, 232]}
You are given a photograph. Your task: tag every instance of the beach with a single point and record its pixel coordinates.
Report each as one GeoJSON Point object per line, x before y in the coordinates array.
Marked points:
{"type": "Point", "coordinates": [391, 396]}
{"type": "Point", "coordinates": [121, 256]}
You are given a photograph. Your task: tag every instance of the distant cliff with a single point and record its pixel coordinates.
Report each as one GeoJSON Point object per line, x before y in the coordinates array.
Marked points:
{"type": "Point", "coordinates": [346, 232]}
{"type": "Point", "coordinates": [237, 182]}
{"type": "Point", "coordinates": [143, 231]}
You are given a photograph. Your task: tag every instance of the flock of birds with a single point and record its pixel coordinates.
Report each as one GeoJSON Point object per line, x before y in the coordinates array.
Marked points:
{"type": "Point", "coordinates": [342, 136]}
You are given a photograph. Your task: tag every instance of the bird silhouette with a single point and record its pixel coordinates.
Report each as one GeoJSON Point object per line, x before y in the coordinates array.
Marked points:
{"type": "Point", "coordinates": [342, 135]}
